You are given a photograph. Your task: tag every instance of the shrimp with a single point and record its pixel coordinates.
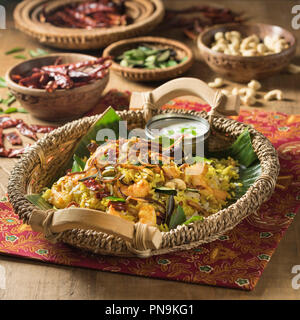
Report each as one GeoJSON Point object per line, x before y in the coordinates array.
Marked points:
{"type": "Point", "coordinates": [59, 195]}
{"type": "Point", "coordinates": [147, 215]}
{"type": "Point", "coordinates": [59, 198]}
{"type": "Point", "coordinates": [114, 212]}
{"type": "Point", "coordinates": [171, 172]}
{"type": "Point", "coordinates": [195, 174]}
{"type": "Point", "coordinates": [138, 190]}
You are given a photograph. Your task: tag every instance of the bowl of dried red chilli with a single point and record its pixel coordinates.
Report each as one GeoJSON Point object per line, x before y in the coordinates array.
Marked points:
{"type": "Point", "coordinates": [83, 25]}
{"type": "Point", "coordinates": [59, 87]}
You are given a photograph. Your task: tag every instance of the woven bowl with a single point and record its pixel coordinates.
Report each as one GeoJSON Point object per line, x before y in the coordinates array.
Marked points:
{"type": "Point", "coordinates": [146, 15]}
{"type": "Point", "coordinates": [240, 68]}
{"type": "Point", "coordinates": [40, 164]}
{"type": "Point", "coordinates": [140, 74]}
{"type": "Point", "coordinates": [60, 105]}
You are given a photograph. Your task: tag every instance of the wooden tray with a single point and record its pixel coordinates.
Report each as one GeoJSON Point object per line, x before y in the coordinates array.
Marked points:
{"type": "Point", "coordinates": [146, 14]}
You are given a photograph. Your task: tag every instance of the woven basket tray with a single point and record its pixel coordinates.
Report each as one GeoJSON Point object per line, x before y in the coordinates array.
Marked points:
{"type": "Point", "coordinates": [101, 233]}
{"type": "Point", "coordinates": [146, 15]}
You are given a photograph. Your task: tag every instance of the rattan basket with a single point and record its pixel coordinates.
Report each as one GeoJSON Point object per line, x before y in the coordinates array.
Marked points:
{"type": "Point", "coordinates": [102, 233]}
{"type": "Point", "coordinates": [146, 15]}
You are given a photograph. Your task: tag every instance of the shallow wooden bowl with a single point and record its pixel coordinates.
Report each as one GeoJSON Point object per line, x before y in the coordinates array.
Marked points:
{"type": "Point", "coordinates": [240, 68]}
{"type": "Point", "coordinates": [145, 15]}
{"type": "Point", "coordinates": [60, 105]}
{"type": "Point", "coordinates": [140, 74]}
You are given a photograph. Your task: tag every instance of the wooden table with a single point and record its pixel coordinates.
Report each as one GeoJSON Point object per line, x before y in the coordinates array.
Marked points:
{"type": "Point", "coordinates": [34, 280]}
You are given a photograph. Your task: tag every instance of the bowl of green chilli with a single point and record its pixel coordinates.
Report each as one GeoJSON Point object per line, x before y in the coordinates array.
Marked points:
{"type": "Point", "coordinates": [149, 58]}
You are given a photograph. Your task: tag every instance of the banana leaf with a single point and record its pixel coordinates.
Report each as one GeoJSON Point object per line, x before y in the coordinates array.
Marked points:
{"type": "Point", "coordinates": [240, 150]}
{"type": "Point", "coordinates": [178, 217]}
{"type": "Point", "coordinates": [36, 199]}
{"type": "Point", "coordinates": [109, 120]}
{"type": "Point", "coordinates": [78, 164]}
{"type": "Point", "coordinates": [247, 178]}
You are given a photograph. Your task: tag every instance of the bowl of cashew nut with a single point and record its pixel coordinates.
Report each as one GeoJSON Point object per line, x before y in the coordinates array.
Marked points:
{"type": "Point", "coordinates": [241, 52]}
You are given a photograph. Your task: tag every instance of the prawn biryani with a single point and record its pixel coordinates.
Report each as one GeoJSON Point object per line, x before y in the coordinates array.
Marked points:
{"type": "Point", "coordinates": [137, 180]}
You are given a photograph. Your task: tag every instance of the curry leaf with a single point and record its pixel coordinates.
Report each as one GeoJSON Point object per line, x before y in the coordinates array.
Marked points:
{"type": "Point", "coordinates": [78, 164]}
{"type": "Point", "coordinates": [177, 218]}
{"type": "Point", "coordinates": [193, 219]}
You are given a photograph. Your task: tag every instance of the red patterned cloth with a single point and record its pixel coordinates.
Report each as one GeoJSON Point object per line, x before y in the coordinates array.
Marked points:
{"type": "Point", "coordinates": [236, 260]}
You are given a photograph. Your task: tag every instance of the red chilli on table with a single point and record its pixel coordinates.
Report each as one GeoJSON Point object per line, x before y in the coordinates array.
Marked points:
{"type": "Point", "coordinates": [24, 129]}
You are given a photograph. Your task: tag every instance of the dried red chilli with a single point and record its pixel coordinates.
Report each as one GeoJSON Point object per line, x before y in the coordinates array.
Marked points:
{"type": "Point", "coordinates": [207, 16]}
{"type": "Point", "coordinates": [14, 138]}
{"type": "Point", "coordinates": [88, 15]}
{"type": "Point", "coordinates": [12, 153]}
{"type": "Point", "coordinates": [65, 76]}
{"type": "Point", "coordinates": [91, 184]}
{"type": "Point", "coordinates": [41, 129]}
{"type": "Point", "coordinates": [4, 152]}
{"type": "Point", "coordinates": [102, 194]}
{"type": "Point", "coordinates": [73, 203]}
{"type": "Point", "coordinates": [16, 153]}
{"type": "Point", "coordinates": [25, 130]}
{"type": "Point", "coordinates": [8, 122]}
{"type": "Point", "coordinates": [118, 205]}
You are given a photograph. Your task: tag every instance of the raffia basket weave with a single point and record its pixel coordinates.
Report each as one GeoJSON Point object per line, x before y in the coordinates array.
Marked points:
{"type": "Point", "coordinates": [39, 165]}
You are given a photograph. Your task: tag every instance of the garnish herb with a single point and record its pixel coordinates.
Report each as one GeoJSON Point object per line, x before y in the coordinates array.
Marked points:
{"type": "Point", "coordinates": [14, 50]}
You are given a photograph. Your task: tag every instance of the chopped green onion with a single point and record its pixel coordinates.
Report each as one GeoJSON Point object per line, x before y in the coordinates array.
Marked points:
{"type": "Point", "coordinates": [115, 199]}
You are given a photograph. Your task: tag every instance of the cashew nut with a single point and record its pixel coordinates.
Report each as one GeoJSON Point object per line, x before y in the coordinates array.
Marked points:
{"type": "Point", "coordinates": [176, 184]}
{"type": "Point", "coordinates": [249, 53]}
{"type": "Point", "coordinates": [254, 84]}
{"type": "Point", "coordinates": [219, 35]}
{"type": "Point", "coordinates": [273, 95]}
{"type": "Point", "coordinates": [225, 92]}
{"type": "Point", "coordinates": [261, 49]}
{"type": "Point", "coordinates": [219, 47]}
{"type": "Point", "coordinates": [247, 92]}
{"type": "Point", "coordinates": [292, 68]}
{"type": "Point", "coordinates": [235, 91]}
{"type": "Point", "coordinates": [280, 45]}
{"type": "Point", "coordinates": [218, 82]}
{"type": "Point", "coordinates": [232, 43]}
{"type": "Point", "coordinates": [248, 100]}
